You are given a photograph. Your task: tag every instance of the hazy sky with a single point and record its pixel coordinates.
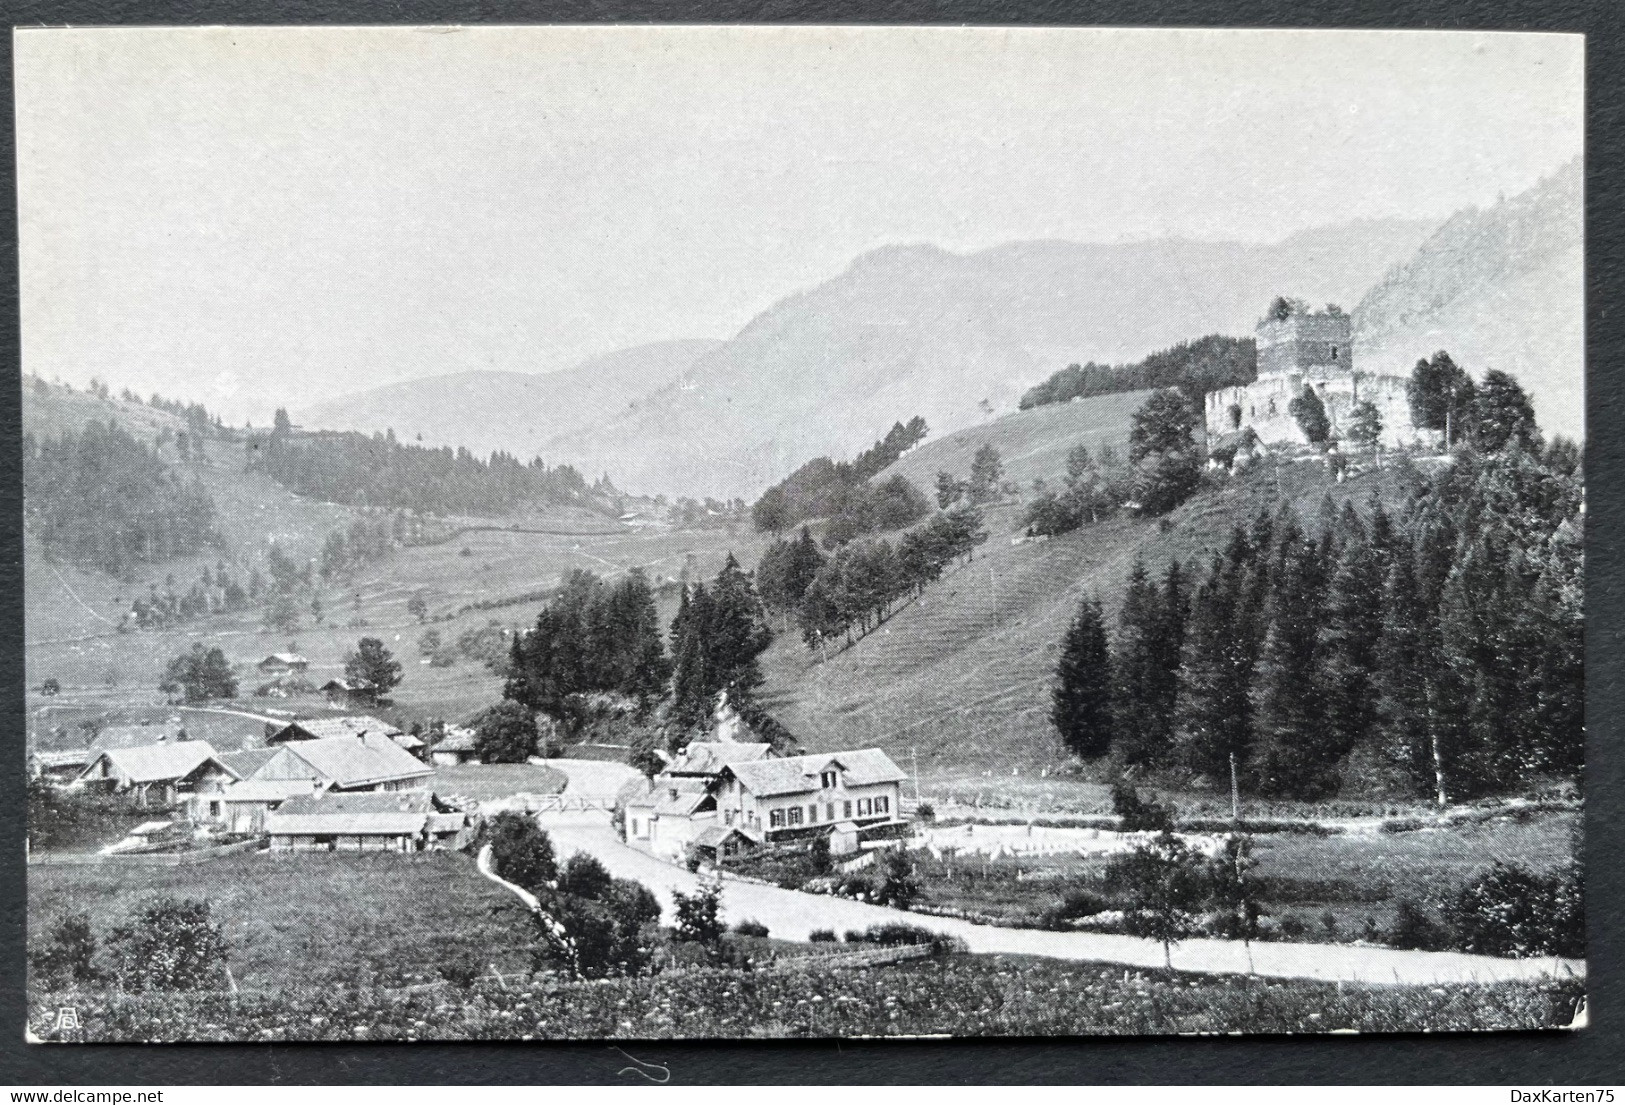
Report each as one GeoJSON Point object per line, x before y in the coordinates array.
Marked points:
{"type": "Point", "coordinates": [271, 217]}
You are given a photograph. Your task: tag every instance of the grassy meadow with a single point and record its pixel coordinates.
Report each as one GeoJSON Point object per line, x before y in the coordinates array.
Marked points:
{"type": "Point", "coordinates": [1033, 444]}
{"type": "Point", "coordinates": [961, 995]}
{"type": "Point", "coordinates": [310, 919]}
{"type": "Point", "coordinates": [960, 678]}
{"type": "Point", "coordinates": [1353, 876]}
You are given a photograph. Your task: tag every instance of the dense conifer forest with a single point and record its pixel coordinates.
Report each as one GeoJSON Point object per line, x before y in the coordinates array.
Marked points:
{"type": "Point", "coordinates": [103, 499]}
{"type": "Point", "coordinates": [842, 492]}
{"type": "Point", "coordinates": [1195, 366]}
{"type": "Point", "coordinates": [1435, 650]}
{"type": "Point", "coordinates": [378, 471]}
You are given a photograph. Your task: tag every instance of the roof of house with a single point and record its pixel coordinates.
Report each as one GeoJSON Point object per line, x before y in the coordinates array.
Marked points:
{"type": "Point", "coordinates": [246, 761]}
{"type": "Point", "coordinates": [407, 741]}
{"type": "Point", "coordinates": [387, 813]}
{"type": "Point", "coordinates": [350, 725]}
{"type": "Point", "coordinates": [131, 736]}
{"type": "Point", "coordinates": [447, 822]}
{"type": "Point", "coordinates": [355, 761]}
{"type": "Point", "coordinates": [709, 757]}
{"type": "Point", "coordinates": [636, 792]}
{"type": "Point", "coordinates": [684, 802]}
{"type": "Point", "coordinates": [292, 659]}
{"type": "Point", "coordinates": [156, 763]}
{"type": "Point", "coordinates": [796, 774]}
{"type": "Point", "coordinates": [345, 824]}
{"type": "Point", "coordinates": [266, 790]}
{"type": "Point", "coordinates": [716, 834]}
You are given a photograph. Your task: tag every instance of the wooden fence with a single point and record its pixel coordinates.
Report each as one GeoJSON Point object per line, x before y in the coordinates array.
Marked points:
{"type": "Point", "coordinates": [568, 803]}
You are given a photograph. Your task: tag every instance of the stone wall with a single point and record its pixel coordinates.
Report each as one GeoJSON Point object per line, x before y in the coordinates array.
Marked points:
{"type": "Point", "coordinates": [1266, 406]}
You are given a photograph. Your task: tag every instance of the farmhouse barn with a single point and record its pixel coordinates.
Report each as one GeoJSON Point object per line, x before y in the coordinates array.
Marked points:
{"type": "Point", "coordinates": [370, 762]}
{"type": "Point", "coordinates": [456, 747]}
{"type": "Point", "coordinates": [58, 764]}
{"type": "Point", "coordinates": [406, 822]}
{"type": "Point", "coordinates": [284, 663]}
{"type": "Point", "coordinates": [317, 728]}
{"type": "Point", "coordinates": [241, 807]}
{"type": "Point", "coordinates": [159, 774]}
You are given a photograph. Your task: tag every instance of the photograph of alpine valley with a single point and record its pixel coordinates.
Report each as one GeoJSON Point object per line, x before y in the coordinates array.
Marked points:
{"type": "Point", "coordinates": [569, 533]}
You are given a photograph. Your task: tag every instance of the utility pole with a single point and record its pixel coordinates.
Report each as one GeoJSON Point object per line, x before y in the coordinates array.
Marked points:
{"type": "Point", "coordinates": [1235, 792]}
{"type": "Point", "coordinates": [914, 760]}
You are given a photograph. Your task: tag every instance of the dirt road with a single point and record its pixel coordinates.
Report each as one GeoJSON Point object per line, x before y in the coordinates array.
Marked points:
{"type": "Point", "coordinates": [792, 915]}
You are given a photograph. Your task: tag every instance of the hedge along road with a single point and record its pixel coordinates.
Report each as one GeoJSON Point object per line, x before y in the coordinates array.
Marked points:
{"type": "Point", "coordinates": [792, 915]}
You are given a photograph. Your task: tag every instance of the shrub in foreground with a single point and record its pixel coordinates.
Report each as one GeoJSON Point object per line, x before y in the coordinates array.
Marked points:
{"type": "Point", "coordinates": [1513, 911]}
{"type": "Point", "coordinates": [172, 944]}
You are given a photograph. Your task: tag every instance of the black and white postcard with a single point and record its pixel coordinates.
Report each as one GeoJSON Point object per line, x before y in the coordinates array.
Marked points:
{"type": "Point", "coordinates": [634, 532]}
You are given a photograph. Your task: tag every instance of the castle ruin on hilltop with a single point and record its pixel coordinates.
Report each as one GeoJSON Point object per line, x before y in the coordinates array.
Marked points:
{"type": "Point", "coordinates": [1298, 347]}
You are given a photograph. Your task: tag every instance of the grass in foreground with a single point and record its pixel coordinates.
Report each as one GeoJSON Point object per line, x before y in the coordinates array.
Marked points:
{"type": "Point", "coordinates": [961, 995]}
{"type": "Point", "coordinates": [325, 919]}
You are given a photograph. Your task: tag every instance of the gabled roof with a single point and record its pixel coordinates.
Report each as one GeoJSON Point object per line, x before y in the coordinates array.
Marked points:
{"type": "Point", "coordinates": [292, 659]}
{"type": "Point", "coordinates": [351, 725]}
{"type": "Point", "coordinates": [156, 763]}
{"type": "Point", "coordinates": [796, 774]}
{"type": "Point", "coordinates": [357, 761]}
{"type": "Point", "coordinates": [266, 790]}
{"type": "Point", "coordinates": [710, 757]}
{"type": "Point", "coordinates": [716, 834]}
{"type": "Point", "coordinates": [246, 761]}
{"type": "Point", "coordinates": [679, 797]}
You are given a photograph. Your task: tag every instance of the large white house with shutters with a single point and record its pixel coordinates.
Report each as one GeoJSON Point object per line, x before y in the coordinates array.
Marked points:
{"type": "Point", "coordinates": [786, 798]}
{"type": "Point", "coordinates": [747, 797]}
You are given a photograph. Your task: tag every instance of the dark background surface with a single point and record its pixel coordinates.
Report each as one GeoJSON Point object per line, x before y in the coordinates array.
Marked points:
{"type": "Point", "coordinates": [1591, 1056]}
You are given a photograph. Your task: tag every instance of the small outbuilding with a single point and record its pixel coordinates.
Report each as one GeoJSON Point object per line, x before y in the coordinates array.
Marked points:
{"type": "Point", "coordinates": [455, 747]}
{"type": "Point", "coordinates": [376, 822]}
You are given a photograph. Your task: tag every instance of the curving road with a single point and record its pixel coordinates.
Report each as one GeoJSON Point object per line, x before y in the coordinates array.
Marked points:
{"type": "Point", "coordinates": [792, 915]}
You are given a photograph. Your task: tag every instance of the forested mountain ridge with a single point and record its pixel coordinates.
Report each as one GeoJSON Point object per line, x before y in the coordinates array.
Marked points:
{"type": "Point", "coordinates": [378, 471]}
{"type": "Point", "coordinates": [1499, 288]}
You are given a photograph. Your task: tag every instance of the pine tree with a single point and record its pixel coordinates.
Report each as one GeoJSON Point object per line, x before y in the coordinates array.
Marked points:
{"type": "Point", "coordinates": [1137, 672]}
{"type": "Point", "coordinates": [1293, 755]}
{"type": "Point", "coordinates": [1082, 710]}
{"type": "Point", "coordinates": [1348, 645]}
{"type": "Point", "coordinates": [1408, 649]}
{"type": "Point", "coordinates": [1213, 713]}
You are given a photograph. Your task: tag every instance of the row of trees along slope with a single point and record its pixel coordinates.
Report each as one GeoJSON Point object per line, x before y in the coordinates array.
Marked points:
{"type": "Point", "coordinates": [1436, 649]}
{"type": "Point", "coordinates": [361, 470]}
{"type": "Point", "coordinates": [843, 493]}
{"type": "Point", "coordinates": [1196, 367]}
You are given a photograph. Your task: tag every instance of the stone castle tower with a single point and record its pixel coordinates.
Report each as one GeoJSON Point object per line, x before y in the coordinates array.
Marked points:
{"type": "Point", "coordinates": [1300, 348]}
